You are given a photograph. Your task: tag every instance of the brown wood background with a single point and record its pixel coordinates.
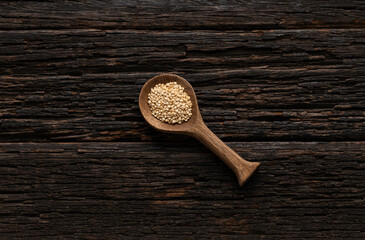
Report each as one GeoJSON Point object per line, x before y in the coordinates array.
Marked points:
{"type": "Point", "coordinates": [282, 82]}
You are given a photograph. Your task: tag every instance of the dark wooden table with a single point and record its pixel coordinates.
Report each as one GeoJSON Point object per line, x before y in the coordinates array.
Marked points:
{"type": "Point", "coordinates": [282, 82]}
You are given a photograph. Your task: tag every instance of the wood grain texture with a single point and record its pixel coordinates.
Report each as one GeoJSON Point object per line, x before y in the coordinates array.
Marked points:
{"type": "Point", "coordinates": [282, 82]}
{"type": "Point", "coordinates": [167, 190]}
{"type": "Point", "coordinates": [175, 14]}
{"type": "Point", "coordinates": [83, 85]}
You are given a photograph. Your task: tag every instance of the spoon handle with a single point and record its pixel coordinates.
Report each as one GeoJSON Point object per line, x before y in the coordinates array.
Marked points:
{"type": "Point", "coordinates": [242, 168]}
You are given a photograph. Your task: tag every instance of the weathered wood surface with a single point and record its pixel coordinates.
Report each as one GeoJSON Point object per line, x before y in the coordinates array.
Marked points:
{"type": "Point", "coordinates": [282, 82]}
{"type": "Point", "coordinates": [109, 190]}
{"type": "Point", "coordinates": [175, 14]}
{"type": "Point", "coordinates": [83, 85]}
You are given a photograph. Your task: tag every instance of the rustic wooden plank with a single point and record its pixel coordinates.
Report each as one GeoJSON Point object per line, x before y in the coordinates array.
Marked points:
{"type": "Point", "coordinates": [202, 14]}
{"type": "Point", "coordinates": [109, 190]}
{"type": "Point", "coordinates": [68, 85]}
{"type": "Point", "coordinates": [78, 52]}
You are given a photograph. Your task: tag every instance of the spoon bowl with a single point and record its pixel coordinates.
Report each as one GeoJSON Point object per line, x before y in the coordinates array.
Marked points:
{"type": "Point", "coordinates": [183, 128]}
{"type": "Point", "coordinates": [195, 127]}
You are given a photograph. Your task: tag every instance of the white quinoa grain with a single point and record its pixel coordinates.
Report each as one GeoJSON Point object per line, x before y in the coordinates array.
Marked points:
{"type": "Point", "coordinates": [169, 103]}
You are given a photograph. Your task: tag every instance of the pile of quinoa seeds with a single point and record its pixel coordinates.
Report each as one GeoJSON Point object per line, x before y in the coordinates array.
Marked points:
{"type": "Point", "coordinates": [169, 103]}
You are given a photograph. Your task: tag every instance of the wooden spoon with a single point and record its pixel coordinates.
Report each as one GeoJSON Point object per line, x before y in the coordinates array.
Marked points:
{"type": "Point", "coordinates": [195, 127]}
